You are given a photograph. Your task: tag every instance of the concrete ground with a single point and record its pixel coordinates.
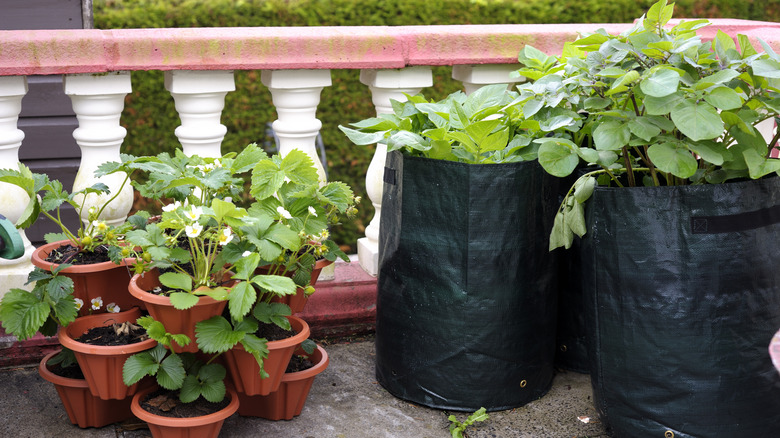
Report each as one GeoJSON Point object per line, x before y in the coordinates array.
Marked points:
{"type": "Point", "coordinates": [345, 402]}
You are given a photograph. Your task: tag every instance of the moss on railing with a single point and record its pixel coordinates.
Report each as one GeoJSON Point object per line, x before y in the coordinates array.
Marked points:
{"type": "Point", "coordinates": [151, 118]}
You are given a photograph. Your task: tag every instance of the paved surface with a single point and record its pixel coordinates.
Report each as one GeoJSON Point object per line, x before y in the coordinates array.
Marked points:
{"type": "Point", "coordinates": [345, 402]}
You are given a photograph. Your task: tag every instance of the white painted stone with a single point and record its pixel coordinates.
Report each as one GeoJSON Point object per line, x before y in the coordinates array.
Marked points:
{"type": "Point", "coordinates": [476, 76]}
{"type": "Point", "coordinates": [384, 85]}
{"type": "Point", "coordinates": [13, 200]}
{"type": "Point", "coordinates": [296, 94]}
{"type": "Point", "coordinates": [199, 96]}
{"type": "Point", "coordinates": [98, 101]}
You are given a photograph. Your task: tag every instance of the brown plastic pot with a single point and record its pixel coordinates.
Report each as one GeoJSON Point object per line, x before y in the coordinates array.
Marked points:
{"type": "Point", "coordinates": [245, 372]}
{"type": "Point", "coordinates": [102, 365]}
{"type": "Point", "coordinates": [83, 408]}
{"type": "Point", "coordinates": [175, 321]}
{"type": "Point", "coordinates": [288, 401]}
{"type": "Point", "coordinates": [106, 280]}
{"type": "Point", "coordinates": [206, 426]}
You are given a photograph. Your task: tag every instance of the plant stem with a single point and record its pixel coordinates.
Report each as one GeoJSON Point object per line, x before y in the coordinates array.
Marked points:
{"type": "Point", "coordinates": [629, 170]}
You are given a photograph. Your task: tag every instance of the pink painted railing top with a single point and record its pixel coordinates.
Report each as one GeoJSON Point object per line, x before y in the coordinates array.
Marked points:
{"type": "Point", "coordinates": [26, 52]}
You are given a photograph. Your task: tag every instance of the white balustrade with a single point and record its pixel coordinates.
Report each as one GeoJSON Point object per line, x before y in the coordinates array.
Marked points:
{"type": "Point", "coordinates": [296, 94]}
{"type": "Point", "coordinates": [384, 85]}
{"type": "Point", "coordinates": [476, 76]}
{"type": "Point", "coordinates": [199, 96]}
{"type": "Point", "coordinates": [98, 101]}
{"type": "Point", "coordinates": [13, 200]}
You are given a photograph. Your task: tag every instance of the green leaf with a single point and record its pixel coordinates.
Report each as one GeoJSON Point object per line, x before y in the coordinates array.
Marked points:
{"type": "Point", "coordinates": [248, 158]}
{"type": "Point", "coordinates": [241, 299]}
{"type": "Point", "coordinates": [273, 313]}
{"type": "Point", "coordinates": [697, 121]}
{"type": "Point", "coordinates": [267, 178]}
{"type": "Point", "coordinates": [767, 68]}
{"type": "Point", "coordinates": [643, 128]}
{"type": "Point", "coordinates": [583, 188]}
{"type": "Point", "coordinates": [171, 373]}
{"type": "Point", "coordinates": [245, 267]}
{"type": "Point", "coordinates": [660, 83]}
{"type": "Point", "coordinates": [758, 165]}
{"type": "Point", "coordinates": [216, 335]}
{"type": "Point", "coordinates": [299, 168]}
{"type": "Point", "coordinates": [190, 389]}
{"type": "Point", "coordinates": [278, 284]}
{"type": "Point", "coordinates": [724, 98]}
{"type": "Point", "coordinates": [183, 300]}
{"type": "Point", "coordinates": [673, 158]}
{"type": "Point", "coordinates": [22, 313]}
{"type": "Point", "coordinates": [719, 77]}
{"type": "Point", "coordinates": [710, 152]}
{"type": "Point", "coordinates": [558, 157]}
{"type": "Point", "coordinates": [611, 136]}
{"type": "Point", "coordinates": [660, 106]}
{"type": "Point", "coordinates": [337, 194]}
{"type": "Point", "coordinates": [138, 366]}
{"type": "Point", "coordinates": [561, 235]}
{"type": "Point", "coordinates": [575, 219]}
{"type": "Point", "coordinates": [176, 280]}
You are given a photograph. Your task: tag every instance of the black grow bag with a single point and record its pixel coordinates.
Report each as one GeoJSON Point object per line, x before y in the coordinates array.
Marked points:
{"type": "Point", "coordinates": [683, 292]}
{"type": "Point", "coordinates": [466, 290]}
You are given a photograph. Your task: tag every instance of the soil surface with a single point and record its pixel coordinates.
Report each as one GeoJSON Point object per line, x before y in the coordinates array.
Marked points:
{"type": "Point", "coordinates": [166, 403]}
{"type": "Point", "coordinates": [71, 372]}
{"type": "Point", "coordinates": [298, 363]}
{"type": "Point", "coordinates": [73, 255]}
{"type": "Point", "coordinates": [115, 334]}
{"type": "Point", "coordinates": [272, 332]}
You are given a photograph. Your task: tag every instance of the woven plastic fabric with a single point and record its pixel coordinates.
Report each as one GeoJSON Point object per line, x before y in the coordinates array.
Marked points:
{"type": "Point", "coordinates": [466, 292]}
{"type": "Point", "coordinates": [683, 291]}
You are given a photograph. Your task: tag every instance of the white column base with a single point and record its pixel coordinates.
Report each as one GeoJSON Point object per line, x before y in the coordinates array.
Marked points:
{"type": "Point", "coordinates": [14, 272]}
{"type": "Point", "coordinates": [368, 255]}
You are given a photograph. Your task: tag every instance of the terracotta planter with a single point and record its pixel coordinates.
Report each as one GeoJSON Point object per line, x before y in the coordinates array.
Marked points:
{"type": "Point", "coordinates": [287, 402]}
{"type": "Point", "coordinates": [106, 280]}
{"type": "Point", "coordinates": [244, 371]}
{"type": "Point", "coordinates": [102, 365]}
{"type": "Point", "coordinates": [206, 426]}
{"type": "Point", "coordinates": [83, 408]}
{"type": "Point", "coordinates": [298, 301]}
{"type": "Point", "coordinates": [175, 320]}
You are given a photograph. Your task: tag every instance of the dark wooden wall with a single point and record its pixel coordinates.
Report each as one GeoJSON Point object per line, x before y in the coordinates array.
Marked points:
{"type": "Point", "coordinates": [47, 117]}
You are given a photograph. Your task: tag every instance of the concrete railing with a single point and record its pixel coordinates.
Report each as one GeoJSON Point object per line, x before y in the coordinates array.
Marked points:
{"type": "Point", "coordinates": [295, 63]}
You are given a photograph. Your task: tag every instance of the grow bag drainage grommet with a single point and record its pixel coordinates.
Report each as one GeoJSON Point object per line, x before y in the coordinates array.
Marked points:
{"type": "Point", "coordinates": [523, 383]}
{"type": "Point", "coordinates": [668, 434]}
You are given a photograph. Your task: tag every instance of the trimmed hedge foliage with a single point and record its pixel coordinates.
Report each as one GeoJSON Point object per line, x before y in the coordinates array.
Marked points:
{"type": "Point", "coordinates": [150, 116]}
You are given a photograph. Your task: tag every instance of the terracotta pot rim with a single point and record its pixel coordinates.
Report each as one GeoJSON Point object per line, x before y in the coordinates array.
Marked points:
{"type": "Point", "coordinates": [149, 297]}
{"type": "Point", "coordinates": [159, 420]}
{"type": "Point", "coordinates": [39, 255]}
{"type": "Point", "coordinates": [299, 337]}
{"type": "Point", "coordinates": [49, 376]}
{"type": "Point", "coordinates": [319, 367]}
{"type": "Point", "coordinates": [67, 338]}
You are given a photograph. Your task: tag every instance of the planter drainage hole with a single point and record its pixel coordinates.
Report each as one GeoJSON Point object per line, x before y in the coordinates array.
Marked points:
{"type": "Point", "coordinates": [523, 383]}
{"type": "Point", "coordinates": [669, 434]}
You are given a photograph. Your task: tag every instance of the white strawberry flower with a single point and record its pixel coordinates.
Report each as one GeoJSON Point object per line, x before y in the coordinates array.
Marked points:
{"type": "Point", "coordinates": [193, 230]}
{"type": "Point", "coordinates": [112, 308]}
{"type": "Point", "coordinates": [79, 303]}
{"type": "Point", "coordinates": [225, 237]}
{"type": "Point", "coordinates": [312, 211]}
{"type": "Point", "coordinates": [97, 303]}
{"type": "Point", "coordinates": [194, 213]}
{"type": "Point", "coordinates": [283, 212]}
{"type": "Point", "coordinates": [172, 207]}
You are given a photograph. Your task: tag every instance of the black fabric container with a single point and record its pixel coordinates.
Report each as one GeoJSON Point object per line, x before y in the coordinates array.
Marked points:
{"type": "Point", "coordinates": [466, 299]}
{"type": "Point", "coordinates": [683, 291]}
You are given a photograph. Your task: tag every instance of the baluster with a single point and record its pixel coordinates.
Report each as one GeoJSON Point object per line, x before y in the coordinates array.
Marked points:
{"type": "Point", "coordinates": [200, 98]}
{"type": "Point", "coordinates": [98, 100]}
{"type": "Point", "coordinates": [768, 128]}
{"type": "Point", "coordinates": [13, 200]}
{"type": "Point", "coordinates": [296, 94]}
{"type": "Point", "coordinates": [384, 85]}
{"type": "Point", "coordinates": [476, 76]}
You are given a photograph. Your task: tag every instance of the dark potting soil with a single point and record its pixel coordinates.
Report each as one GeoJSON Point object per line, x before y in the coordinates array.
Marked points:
{"type": "Point", "coordinates": [272, 332]}
{"type": "Point", "coordinates": [71, 372]}
{"type": "Point", "coordinates": [73, 255]}
{"type": "Point", "coordinates": [298, 363]}
{"type": "Point", "coordinates": [115, 334]}
{"type": "Point", "coordinates": [166, 403]}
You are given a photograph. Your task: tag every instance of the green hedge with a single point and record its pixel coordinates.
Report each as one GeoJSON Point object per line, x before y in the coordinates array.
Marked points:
{"type": "Point", "coordinates": [151, 118]}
